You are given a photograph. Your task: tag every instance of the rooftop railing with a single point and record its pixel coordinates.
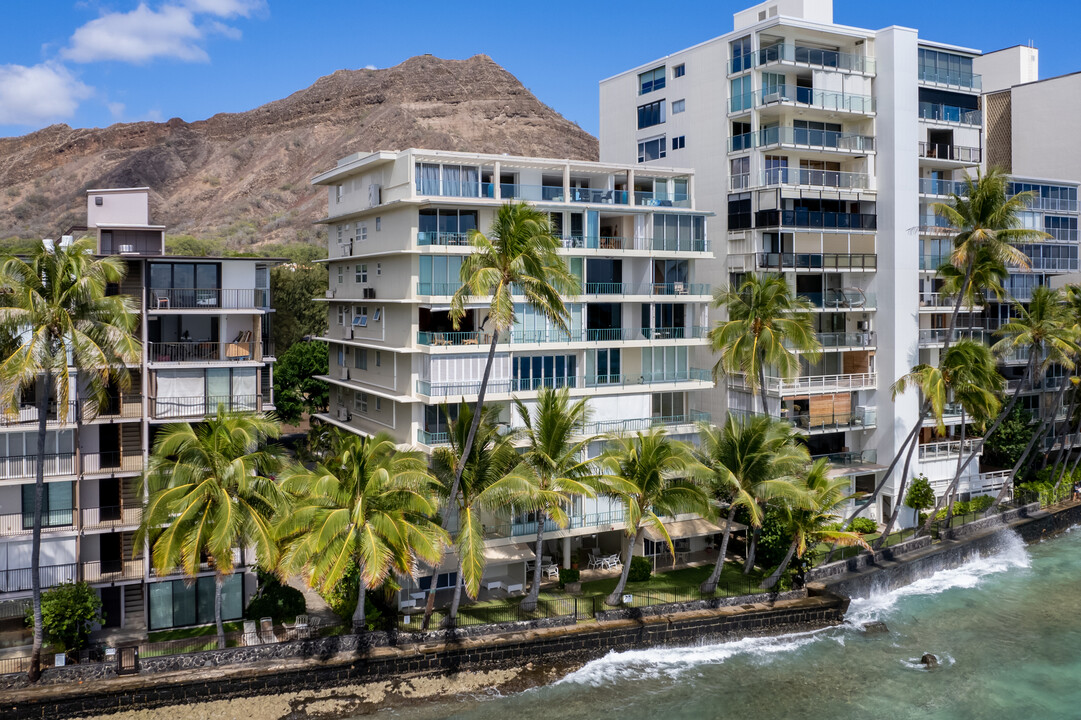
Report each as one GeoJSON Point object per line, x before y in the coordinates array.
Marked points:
{"type": "Point", "coordinates": [817, 57]}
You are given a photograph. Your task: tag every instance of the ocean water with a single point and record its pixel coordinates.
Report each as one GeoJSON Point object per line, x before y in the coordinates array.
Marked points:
{"type": "Point", "coordinates": [1005, 627]}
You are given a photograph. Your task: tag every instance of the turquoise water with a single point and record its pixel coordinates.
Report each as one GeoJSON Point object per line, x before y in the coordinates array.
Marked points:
{"type": "Point", "coordinates": [1007, 629]}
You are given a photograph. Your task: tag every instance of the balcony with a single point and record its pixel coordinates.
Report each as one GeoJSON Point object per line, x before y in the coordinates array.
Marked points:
{"type": "Point", "coordinates": [966, 81]}
{"type": "Point", "coordinates": [942, 188]}
{"type": "Point", "coordinates": [813, 139]}
{"type": "Point", "coordinates": [950, 114]}
{"type": "Point", "coordinates": [973, 484]}
{"type": "Point", "coordinates": [1049, 204]}
{"type": "Point", "coordinates": [812, 383]}
{"type": "Point", "coordinates": [937, 336]}
{"type": "Point", "coordinates": [455, 389]}
{"type": "Point", "coordinates": [542, 337]}
{"type": "Point", "coordinates": [800, 177]}
{"type": "Point", "coordinates": [209, 299]}
{"type": "Point", "coordinates": [1065, 264]}
{"type": "Point", "coordinates": [555, 193]}
{"type": "Point", "coordinates": [199, 406]}
{"type": "Point", "coordinates": [841, 300]}
{"type": "Point", "coordinates": [945, 450]}
{"type": "Point", "coordinates": [18, 579]}
{"type": "Point", "coordinates": [849, 459]}
{"type": "Point", "coordinates": [27, 414]}
{"type": "Point", "coordinates": [14, 524]}
{"type": "Point", "coordinates": [933, 262]}
{"type": "Point", "coordinates": [101, 571]}
{"type": "Point", "coordinates": [109, 518]}
{"type": "Point", "coordinates": [444, 239]}
{"type": "Point", "coordinates": [816, 219]}
{"type": "Point", "coordinates": [111, 462]}
{"type": "Point", "coordinates": [940, 302]}
{"type": "Point", "coordinates": [203, 352]}
{"type": "Point", "coordinates": [440, 289]}
{"type": "Point", "coordinates": [807, 97]}
{"type": "Point", "coordinates": [665, 289]}
{"type": "Point", "coordinates": [819, 422]}
{"type": "Point", "coordinates": [661, 199]}
{"type": "Point", "coordinates": [25, 466]}
{"type": "Point", "coordinates": [816, 57]}
{"type": "Point", "coordinates": [858, 262]}
{"type": "Point", "coordinates": [955, 153]}
{"type": "Point", "coordinates": [844, 340]}
{"type": "Point", "coordinates": [686, 422]}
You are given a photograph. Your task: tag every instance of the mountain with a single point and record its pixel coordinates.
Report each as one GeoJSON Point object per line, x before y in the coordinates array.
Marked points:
{"type": "Point", "coordinates": [244, 177]}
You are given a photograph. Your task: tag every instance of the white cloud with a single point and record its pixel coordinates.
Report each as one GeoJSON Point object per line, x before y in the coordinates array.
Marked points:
{"type": "Point", "coordinates": [116, 110]}
{"type": "Point", "coordinates": [172, 30]}
{"type": "Point", "coordinates": [39, 94]}
{"type": "Point", "coordinates": [370, 67]}
{"type": "Point", "coordinates": [138, 36]}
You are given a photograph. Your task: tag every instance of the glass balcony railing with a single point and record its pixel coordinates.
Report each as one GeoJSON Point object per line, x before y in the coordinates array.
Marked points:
{"type": "Point", "coordinates": [946, 151]}
{"type": "Point", "coordinates": [944, 188]}
{"type": "Point", "coordinates": [1053, 204]}
{"type": "Point", "coordinates": [933, 262]}
{"type": "Point", "coordinates": [515, 385]}
{"type": "Point", "coordinates": [842, 459]}
{"type": "Point", "coordinates": [817, 261]}
{"type": "Point", "coordinates": [801, 177]}
{"type": "Point", "coordinates": [824, 99]}
{"type": "Point", "coordinates": [661, 199]}
{"type": "Point", "coordinates": [536, 193]}
{"type": "Point", "coordinates": [937, 336]}
{"type": "Point", "coordinates": [818, 139]}
{"type": "Point", "coordinates": [599, 427]}
{"type": "Point", "coordinates": [950, 113]}
{"type": "Point", "coordinates": [445, 239]}
{"type": "Point", "coordinates": [848, 299]}
{"type": "Point", "coordinates": [845, 339]}
{"type": "Point", "coordinates": [536, 337]}
{"type": "Point", "coordinates": [440, 288]}
{"type": "Point", "coordinates": [816, 219]}
{"type": "Point", "coordinates": [817, 57]}
{"type": "Point", "coordinates": [969, 81]}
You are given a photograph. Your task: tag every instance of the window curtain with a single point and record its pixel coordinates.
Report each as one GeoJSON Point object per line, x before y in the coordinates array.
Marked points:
{"type": "Point", "coordinates": [428, 178]}
{"type": "Point", "coordinates": [244, 389]}
{"type": "Point", "coordinates": [470, 181]}
{"type": "Point", "coordinates": [180, 392]}
{"type": "Point", "coordinates": [452, 180]}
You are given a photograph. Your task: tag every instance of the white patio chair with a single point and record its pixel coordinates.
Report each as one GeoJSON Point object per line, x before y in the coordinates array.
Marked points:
{"type": "Point", "coordinates": [595, 562]}
{"type": "Point", "coordinates": [250, 635]}
{"type": "Point", "coordinates": [266, 630]}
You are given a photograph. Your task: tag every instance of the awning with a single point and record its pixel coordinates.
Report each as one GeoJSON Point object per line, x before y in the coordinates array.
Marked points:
{"type": "Point", "coordinates": [690, 528]}
{"type": "Point", "coordinates": [509, 553]}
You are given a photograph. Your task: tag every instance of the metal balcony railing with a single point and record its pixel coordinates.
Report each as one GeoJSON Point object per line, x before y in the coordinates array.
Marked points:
{"type": "Point", "coordinates": [947, 151]}
{"type": "Point", "coordinates": [25, 466]}
{"type": "Point", "coordinates": [201, 406]}
{"type": "Point", "coordinates": [945, 449]}
{"type": "Point", "coordinates": [203, 351]}
{"type": "Point", "coordinates": [816, 219]}
{"type": "Point", "coordinates": [99, 518]}
{"type": "Point", "coordinates": [12, 524]}
{"type": "Point", "coordinates": [817, 261]}
{"type": "Point", "coordinates": [208, 298]}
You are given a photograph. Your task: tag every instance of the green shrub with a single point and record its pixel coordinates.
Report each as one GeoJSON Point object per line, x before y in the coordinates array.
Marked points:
{"type": "Point", "coordinates": [920, 496]}
{"type": "Point", "coordinates": [980, 503]}
{"type": "Point", "coordinates": [961, 508]}
{"type": "Point", "coordinates": [863, 525]}
{"type": "Point", "coordinates": [275, 600]}
{"type": "Point", "coordinates": [342, 599]}
{"type": "Point", "coordinates": [68, 612]}
{"type": "Point", "coordinates": [568, 575]}
{"type": "Point", "coordinates": [641, 569]}
{"type": "Point", "coordinates": [775, 539]}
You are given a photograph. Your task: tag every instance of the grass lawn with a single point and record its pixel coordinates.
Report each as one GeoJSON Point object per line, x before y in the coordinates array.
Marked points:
{"type": "Point", "coordinates": [192, 632]}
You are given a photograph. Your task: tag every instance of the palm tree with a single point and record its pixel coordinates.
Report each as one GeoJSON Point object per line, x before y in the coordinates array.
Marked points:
{"type": "Point", "coordinates": [493, 456]}
{"type": "Point", "coordinates": [553, 469]}
{"type": "Point", "coordinates": [650, 474]}
{"type": "Point", "coordinates": [767, 326]}
{"type": "Point", "coordinates": [518, 256]}
{"type": "Point", "coordinates": [367, 505]}
{"type": "Point", "coordinates": [750, 461]}
{"type": "Point", "coordinates": [1048, 329]}
{"type": "Point", "coordinates": [812, 520]}
{"type": "Point", "coordinates": [212, 491]}
{"type": "Point", "coordinates": [61, 328]}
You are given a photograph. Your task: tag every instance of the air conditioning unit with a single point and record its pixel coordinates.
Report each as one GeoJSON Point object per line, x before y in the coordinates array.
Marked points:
{"type": "Point", "coordinates": [867, 414]}
{"type": "Point", "coordinates": [344, 414]}
{"type": "Point", "coordinates": [330, 293]}
{"type": "Point", "coordinates": [345, 374]}
{"type": "Point", "coordinates": [862, 325]}
{"type": "Point", "coordinates": [369, 293]}
{"type": "Point", "coordinates": [126, 249]}
{"type": "Point", "coordinates": [773, 97]}
{"type": "Point", "coordinates": [375, 195]}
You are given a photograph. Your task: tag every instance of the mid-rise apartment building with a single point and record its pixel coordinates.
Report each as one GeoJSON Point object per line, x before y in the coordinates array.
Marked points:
{"type": "Point", "coordinates": [823, 148]}
{"type": "Point", "coordinates": [204, 326]}
{"type": "Point", "coordinates": [635, 239]}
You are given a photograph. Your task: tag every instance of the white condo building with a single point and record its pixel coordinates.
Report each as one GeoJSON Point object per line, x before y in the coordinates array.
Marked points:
{"type": "Point", "coordinates": [821, 148]}
{"type": "Point", "coordinates": [634, 237]}
{"type": "Point", "coordinates": [205, 332]}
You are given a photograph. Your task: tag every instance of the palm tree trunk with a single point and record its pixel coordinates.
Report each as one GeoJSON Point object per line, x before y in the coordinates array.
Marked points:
{"type": "Point", "coordinates": [362, 587]}
{"type": "Point", "coordinates": [1066, 460]}
{"type": "Point", "coordinates": [762, 386]}
{"type": "Point", "coordinates": [889, 471]}
{"type": "Point", "coordinates": [898, 499]}
{"type": "Point", "coordinates": [1036, 437]}
{"type": "Point", "coordinates": [218, 582]}
{"type": "Point", "coordinates": [772, 579]}
{"type": "Point", "coordinates": [748, 565]}
{"type": "Point", "coordinates": [530, 603]}
{"type": "Point", "coordinates": [453, 617]}
{"type": "Point", "coordinates": [1057, 472]}
{"type": "Point", "coordinates": [710, 585]}
{"type": "Point", "coordinates": [452, 498]}
{"type": "Point", "coordinates": [44, 381]}
{"type": "Point", "coordinates": [628, 554]}
{"type": "Point", "coordinates": [957, 306]}
{"type": "Point", "coordinates": [1025, 379]}
{"type": "Point", "coordinates": [951, 488]}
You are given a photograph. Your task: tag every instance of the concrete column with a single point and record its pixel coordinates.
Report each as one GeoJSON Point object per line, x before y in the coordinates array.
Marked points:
{"type": "Point", "coordinates": [567, 552]}
{"type": "Point", "coordinates": [566, 183]}
{"type": "Point", "coordinates": [496, 185]}
{"type": "Point", "coordinates": [630, 187]}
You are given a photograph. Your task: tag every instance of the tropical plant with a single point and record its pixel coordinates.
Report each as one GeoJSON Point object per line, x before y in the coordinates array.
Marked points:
{"type": "Point", "coordinates": [767, 326]}
{"type": "Point", "coordinates": [518, 256]}
{"type": "Point", "coordinates": [60, 328]}
{"type": "Point", "coordinates": [69, 613]}
{"type": "Point", "coordinates": [297, 387]}
{"type": "Point", "coordinates": [368, 504]}
{"type": "Point", "coordinates": [275, 600]}
{"type": "Point", "coordinates": [553, 468]}
{"type": "Point", "coordinates": [813, 520]}
{"type": "Point", "coordinates": [920, 496]}
{"type": "Point", "coordinates": [652, 476]}
{"type": "Point", "coordinates": [493, 456]}
{"type": "Point", "coordinates": [212, 492]}
{"type": "Point", "coordinates": [750, 461]}
{"type": "Point", "coordinates": [292, 287]}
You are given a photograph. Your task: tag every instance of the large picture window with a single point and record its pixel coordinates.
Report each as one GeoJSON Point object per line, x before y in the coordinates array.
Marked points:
{"type": "Point", "coordinates": [651, 80]}
{"type": "Point", "coordinates": [650, 114]}
{"type": "Point", "coordinates": [177, 604]}
{"type": "Point", "coordinates": [56, 507]}
{"type": "Point", "coordinates": [185, 285]}
{"type": "Point", "coordinates": [653, 149]}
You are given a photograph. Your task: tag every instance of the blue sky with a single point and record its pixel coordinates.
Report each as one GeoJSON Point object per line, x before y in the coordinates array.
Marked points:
{"type": "Point", "coordinates": [90, 63]}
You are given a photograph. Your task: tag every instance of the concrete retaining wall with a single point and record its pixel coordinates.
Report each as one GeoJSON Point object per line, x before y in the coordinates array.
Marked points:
{"type": "Point", "coordinates": [823, 573]}
{"type": "Point", "coordinates": [695, 605]}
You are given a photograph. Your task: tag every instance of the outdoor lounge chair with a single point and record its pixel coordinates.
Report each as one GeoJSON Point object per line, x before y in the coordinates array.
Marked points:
{"type": "Point", "coordinates": [250, 635]}
{"type": "Point", "coordinates": [595, 561]}
{"type": "Point", "coordinates": [266, 630]}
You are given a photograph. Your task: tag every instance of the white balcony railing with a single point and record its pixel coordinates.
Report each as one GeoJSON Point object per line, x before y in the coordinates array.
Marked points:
{"type": "Point", "coordinates": [945, 450]}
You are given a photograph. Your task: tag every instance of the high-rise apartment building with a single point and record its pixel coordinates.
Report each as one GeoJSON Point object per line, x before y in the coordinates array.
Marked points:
{"type": "Point", "coordinates": [633, 236]}
{"type": "Point", "coordinates": [205, 331]}
{"type": "Point", "coordinates": [822, 148]}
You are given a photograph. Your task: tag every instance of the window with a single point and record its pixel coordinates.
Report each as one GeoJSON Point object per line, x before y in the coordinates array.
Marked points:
{"type": "Point", "coordinates": [378, 268]}
{"type": "Point", "coordinates": [606, 368]}
{"type": "Point", "coordinates": [742, 89]}
{"type": "Point", "coordinates": [341, 232]}
{"type": "Point", "coordinates": [179, 602]}
{"type": "Point", "coordinates": [339, 190]}
{"type": "Point", "coordinates": [679, 232]}
{"type": "Point", "coordinates": [678, 106]}
{"type": "Point", "coordinates": [341, 274]}
{"type": "Point", "coordinates": [341, 315]}
{"type": "Point", "coordinates": [339, 396]}
{"type": "Point", "coordinates": [362, 273]}
{"type": "Point", "coordinates": [651, 80]}
{"type": "Point", "coordinates": [651, 114]}
{"type": "Point", "coordinates": [360, 358]}
{"type": "Point", "coordinates": [378, 359]}
{"type": "Point", "coordinates": [360, 402]}
{"type": "Point", "coordinates": [742, 58]}
{"type": "Point", "coordinates": [652, 149]}
{"type": "Point", "coordinates": [445, 227]}
{"type": "Point", "coordinates": [378, 314]}
{"type": "Point", "coordinates": [362, 231]}
{"type": "Point", "coordinates": [360, 316]}
{"type": "Point", "coordinates": [678, 143]}
{"type": "Point", "coordinates": [341, 356]}
{"type": "Point", "coordinates": [56, 507]}
{"type": "Point", "coordinates": [739, 211]}
{"type": "Point", "coordinates": [378, 224]}
{"type": "Point", "coordinates": [679, 70]}
{"type": "Point", "coordinates": [378, 404]}
{"type": "Point", "coordinates": [739, 177]}
{"type": "Point", "coordinates": [532, 372]}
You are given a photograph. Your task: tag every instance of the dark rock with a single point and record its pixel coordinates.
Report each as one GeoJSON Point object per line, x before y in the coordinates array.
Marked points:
{"type": "Point", "coordinates": [875, 628]}
{"type": "Point", "coordinates": [929, 660]}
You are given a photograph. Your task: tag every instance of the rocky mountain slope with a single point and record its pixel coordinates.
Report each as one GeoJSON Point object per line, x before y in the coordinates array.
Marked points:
{"type": "Point", "coordinates": [243, 177]}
